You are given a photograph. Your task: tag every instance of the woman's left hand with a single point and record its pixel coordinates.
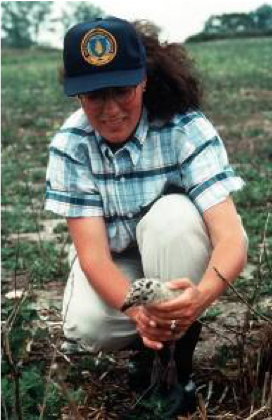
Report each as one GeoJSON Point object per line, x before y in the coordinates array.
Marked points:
{"type": "Point", "coordinates": [184, 309]}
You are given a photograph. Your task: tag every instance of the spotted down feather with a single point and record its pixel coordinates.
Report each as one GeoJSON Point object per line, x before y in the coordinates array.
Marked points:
{"type": "Point", "coordinates": [145, 291]}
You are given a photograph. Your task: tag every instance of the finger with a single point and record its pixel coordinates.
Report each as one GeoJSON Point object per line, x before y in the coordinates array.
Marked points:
{"type": "Point", "coordinates": [160, 315]}
{"type": "Point", "coordinates": [145, 319]}
{"type": "Point", "coordinates": [154, 345]}
{"type": "Point", "coordinates": [156, 314]}
{"type": "Point", "coordinates": [182, 283]}
{"type": "Point", "coordinates": [159, 323]}
{"type": "Point", "coordinates": [182, 322]}
{"type": "Point", "coordinates": [155, 321]}
{"type": "Point", "coordinates": [173, 335]}
{"type": "Point", "coordinates": [178, 303]}
{"type": "Point", "coordinates": [155, 333]}
{"type": "Point", "coordinates": [160, 327]}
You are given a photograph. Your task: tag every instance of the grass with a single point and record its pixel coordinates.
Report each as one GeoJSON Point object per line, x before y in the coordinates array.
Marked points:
{"type": "Point", "coordinates": [238, 79]}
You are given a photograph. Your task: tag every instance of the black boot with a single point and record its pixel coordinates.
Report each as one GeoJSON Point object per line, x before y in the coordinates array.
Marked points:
{"type": "Point", "coordinates": [147, 367]}
{"type": "Point", "coordinates": [181, 398]}
{"type": "Point", "coordinates": [140, 366]}
{"type": "Point", "coordinates": [184, 351]}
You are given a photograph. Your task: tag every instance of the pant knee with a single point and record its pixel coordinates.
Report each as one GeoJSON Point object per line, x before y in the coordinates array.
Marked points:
{"type": "Point", "coordinates": [101, 333]}
{"type": "Point", "coordinates": [173, 240]}
{"type": "Point", "coordinates": [85, 326]}
{"type": "Point", "coordinates": [89, 320]}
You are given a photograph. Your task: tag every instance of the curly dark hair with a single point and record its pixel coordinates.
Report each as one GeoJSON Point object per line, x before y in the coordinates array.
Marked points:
{"type": "Point", "coordinates": [173, 85]}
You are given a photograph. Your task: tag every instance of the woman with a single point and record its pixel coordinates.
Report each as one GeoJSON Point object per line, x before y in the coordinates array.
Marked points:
{"type": "Point", "coordinates": [144, 181]}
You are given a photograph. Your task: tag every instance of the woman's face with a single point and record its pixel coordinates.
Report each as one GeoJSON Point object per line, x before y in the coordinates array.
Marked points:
{"type": "Point", "coordinates": [114, 112]}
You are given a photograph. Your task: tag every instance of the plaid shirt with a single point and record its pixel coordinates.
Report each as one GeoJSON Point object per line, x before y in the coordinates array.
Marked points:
{"type": "Point", "coordinates": [85, 178]}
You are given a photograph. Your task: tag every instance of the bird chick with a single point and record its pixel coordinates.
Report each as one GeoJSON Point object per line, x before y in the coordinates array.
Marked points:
{"type": "Point", "coordinates": [145, 291]}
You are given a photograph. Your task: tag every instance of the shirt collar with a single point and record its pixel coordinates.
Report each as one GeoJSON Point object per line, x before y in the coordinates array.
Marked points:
{"type": "Point", "coordinates": [133, 145]}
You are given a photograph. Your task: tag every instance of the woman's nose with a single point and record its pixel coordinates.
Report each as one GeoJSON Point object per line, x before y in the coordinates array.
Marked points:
{"type": "Point", "coordinates": [110, 105]}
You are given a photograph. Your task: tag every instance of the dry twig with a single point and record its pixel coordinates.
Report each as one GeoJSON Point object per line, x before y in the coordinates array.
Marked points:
{"type": "Point", "coordinates": [241, 297]}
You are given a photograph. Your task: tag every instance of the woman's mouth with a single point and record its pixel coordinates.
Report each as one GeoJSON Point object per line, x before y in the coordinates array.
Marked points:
{"type": "Point", "coordinates": [114, 123]}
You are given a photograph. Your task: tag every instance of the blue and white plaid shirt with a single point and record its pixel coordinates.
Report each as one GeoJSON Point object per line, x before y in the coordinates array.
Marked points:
{"type": "Point", "coordinates": [85, 178]}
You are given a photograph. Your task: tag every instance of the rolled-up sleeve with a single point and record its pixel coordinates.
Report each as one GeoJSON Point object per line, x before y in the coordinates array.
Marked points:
{"type": "Point", "coordinates": [70, 189]}
{"type": "Point", "coordinates": [207, 176]}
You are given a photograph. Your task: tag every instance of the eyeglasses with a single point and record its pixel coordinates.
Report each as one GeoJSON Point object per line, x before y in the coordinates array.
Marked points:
{"type": "Point", "coordinates": [121, 95]}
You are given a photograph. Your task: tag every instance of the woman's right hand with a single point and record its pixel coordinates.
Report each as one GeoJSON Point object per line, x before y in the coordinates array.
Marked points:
{"type": "Point", "coordinates": [153, 334]}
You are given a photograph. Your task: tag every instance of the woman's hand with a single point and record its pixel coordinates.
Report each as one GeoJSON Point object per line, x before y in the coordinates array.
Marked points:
{"type": "Point", "coordinates": [184, 309]}
{"type": "Point", "coordinates": [155, 322]}
{"type": "Point", "coordinates": [153, 330]}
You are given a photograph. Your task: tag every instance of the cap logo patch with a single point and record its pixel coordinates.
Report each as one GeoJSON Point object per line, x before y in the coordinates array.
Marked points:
{"type": "Point", "coordinates": [98, 47]}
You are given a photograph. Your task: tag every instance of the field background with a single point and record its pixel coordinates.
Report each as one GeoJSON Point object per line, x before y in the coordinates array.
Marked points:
{"type": "Point", "coordinates": [234, 379]}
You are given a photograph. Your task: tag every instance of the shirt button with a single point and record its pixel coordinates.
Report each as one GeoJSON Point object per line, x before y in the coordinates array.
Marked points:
{"type": "Point", "coordinates": [130, 215]}
{"type": "Point", "coordinates": [122, 179]}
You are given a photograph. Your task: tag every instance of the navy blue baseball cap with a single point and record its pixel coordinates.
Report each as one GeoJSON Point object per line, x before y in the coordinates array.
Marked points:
{"type": "Point", "coordinates": [102, 53]}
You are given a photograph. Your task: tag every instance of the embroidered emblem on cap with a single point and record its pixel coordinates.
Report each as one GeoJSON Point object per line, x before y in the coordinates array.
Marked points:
{"type": "Point", "coordinates": [98, 47]}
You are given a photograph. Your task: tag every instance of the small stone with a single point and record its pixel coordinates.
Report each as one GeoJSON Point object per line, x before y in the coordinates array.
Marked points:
{"type": "Point", "coordinates": [14, 294]}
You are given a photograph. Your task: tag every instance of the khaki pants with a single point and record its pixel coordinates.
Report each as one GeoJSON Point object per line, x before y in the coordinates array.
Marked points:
{"type": "Point", "coordinates": [173, 243]}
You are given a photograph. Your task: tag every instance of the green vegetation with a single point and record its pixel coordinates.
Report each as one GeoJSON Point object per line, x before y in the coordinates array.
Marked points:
{"type": "Point", "coordinates": [238, 79]}
{"type": "Point", "coordinates": [256, 23]}
{"type": "Point", "coordinates": [22, 22]}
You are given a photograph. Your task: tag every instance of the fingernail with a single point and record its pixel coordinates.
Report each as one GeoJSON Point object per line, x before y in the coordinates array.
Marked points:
{"type": "Point", "coordinates": [159, 346]}
{"type": "Point", "coordinates": [152, 324]}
